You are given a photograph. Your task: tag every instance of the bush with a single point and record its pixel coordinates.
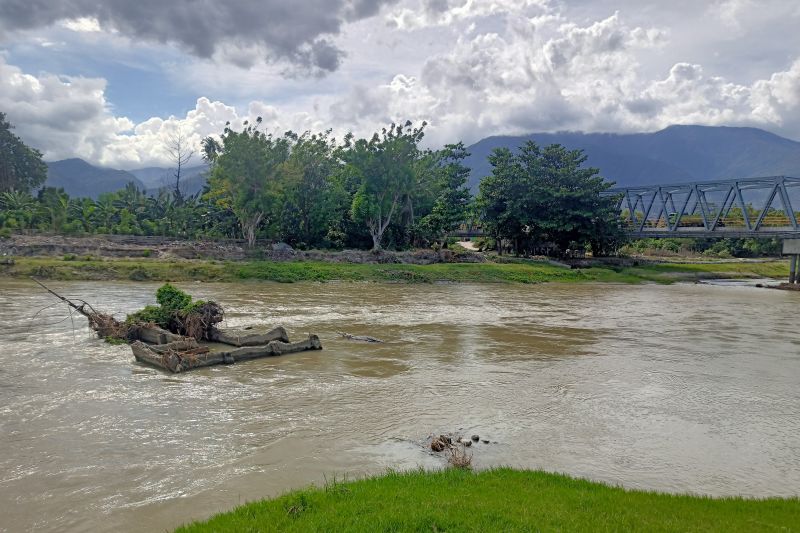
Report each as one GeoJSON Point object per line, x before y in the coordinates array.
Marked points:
{"type": "Point", "coordinates": [70, 257]}
{"type": "Point", "coordinates": [172, 298]}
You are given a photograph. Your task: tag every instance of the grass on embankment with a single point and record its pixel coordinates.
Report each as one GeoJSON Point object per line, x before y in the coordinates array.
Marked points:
{"type": "Point", "coordinates": [518, 271]}
{"type": "Point", "coordinates": [498, 500]}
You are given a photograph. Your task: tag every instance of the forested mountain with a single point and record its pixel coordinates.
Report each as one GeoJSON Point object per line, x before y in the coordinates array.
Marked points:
{"type": "Point", "coordinates": [80, 179]}
{"type": "Point", "coordinates": [154, 178]}
{"type": "Point", "coordinates": [674, 154]}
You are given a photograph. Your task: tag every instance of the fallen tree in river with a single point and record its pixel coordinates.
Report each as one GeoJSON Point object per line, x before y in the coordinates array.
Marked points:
{"type": "Point", "coordinates": [179, 334]}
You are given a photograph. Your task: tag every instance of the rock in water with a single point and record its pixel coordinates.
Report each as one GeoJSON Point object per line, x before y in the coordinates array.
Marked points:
{"type": "Point", "coordinates": [475, 438]}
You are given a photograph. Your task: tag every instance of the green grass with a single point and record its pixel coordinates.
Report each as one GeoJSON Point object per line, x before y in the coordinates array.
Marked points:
{"type": "Point", "coordinates": [498, 500]}
{"type": "Point", "coordinates": [522, 271]}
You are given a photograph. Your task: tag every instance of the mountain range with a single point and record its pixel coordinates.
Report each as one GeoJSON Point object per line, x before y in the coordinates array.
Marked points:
{"type": "Point", "coordinates": [673, 155]}
{"type": "Point", "coordinates": [81, 179]}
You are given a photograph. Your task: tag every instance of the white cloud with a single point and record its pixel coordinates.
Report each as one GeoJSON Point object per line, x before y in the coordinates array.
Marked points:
{"type": "Point", "coordinates": [70, 117]}
{"type": "Point", "coordinates": [471, 69]}
{"type": "Point", "coordinates": [82, 24]}
{"type": "Point", "coordinates": [546, 73]}
{"type": "Point", "coordinates": [446, 12]}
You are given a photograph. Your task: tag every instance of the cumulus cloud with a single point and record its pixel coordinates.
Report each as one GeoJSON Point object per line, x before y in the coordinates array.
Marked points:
{"type": "Point", "coordinates": [546, 73]}
{"type": "Point", "coordinates": [298, 32]}
{"type": "Point", "coordinates": [446, 12]}
{"type": "Point", "coordinates": [70, 117]}
{"type": "Point", "coordinates": [510, 68]}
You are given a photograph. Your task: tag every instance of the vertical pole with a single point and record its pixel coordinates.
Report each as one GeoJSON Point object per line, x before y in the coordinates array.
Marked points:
{"type": "Point", "coordinates": [792, 268]}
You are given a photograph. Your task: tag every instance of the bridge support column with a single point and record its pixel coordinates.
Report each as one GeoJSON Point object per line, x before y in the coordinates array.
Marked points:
{"type": "Point", "coordinates": [791, 247]}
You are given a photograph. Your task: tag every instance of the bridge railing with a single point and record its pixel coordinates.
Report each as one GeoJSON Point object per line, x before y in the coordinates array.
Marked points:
{"type": "Point", "coordinates": [725, 208]}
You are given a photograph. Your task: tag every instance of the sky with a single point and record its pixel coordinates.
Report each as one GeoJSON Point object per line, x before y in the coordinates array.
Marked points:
{"type": "Point", "coordinates": [111, 81]}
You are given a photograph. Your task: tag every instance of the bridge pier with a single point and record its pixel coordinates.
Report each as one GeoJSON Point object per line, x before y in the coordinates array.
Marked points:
{"type": "Point", "coordinates": [791, 247]}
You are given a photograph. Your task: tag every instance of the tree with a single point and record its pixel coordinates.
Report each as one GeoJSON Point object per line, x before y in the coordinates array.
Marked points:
{"type": "Point", "coordinates": [384, 165]}
{"type": "Point", "coordinates": [452, 201]}
{"type": "Point", "coordinates": [547, 196]}
{"type": "Point", "coordinates": [21, 167]}
{"type": "Point", "coordinates": [313, 201]}
{"type": "Point", "coordinates": [501, 200]}
{"type": "Point", "coordinates": [245, 176]}
{"type": "Point", "coordinates": [180, 155]}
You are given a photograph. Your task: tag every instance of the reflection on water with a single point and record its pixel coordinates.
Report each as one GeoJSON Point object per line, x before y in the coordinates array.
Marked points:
{"type": "Point", "coordinates": [680, 388]}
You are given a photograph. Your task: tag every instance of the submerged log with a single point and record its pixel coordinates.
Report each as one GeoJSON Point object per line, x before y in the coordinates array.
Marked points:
{"type": "Point", "coordinates": [276, 348]}
{"type": "Point", "coordinates": [247, 338]}
{"type": "Point", "coordinates": [362, 338]}
{"type": "Point", "coordinates": [187, 354]}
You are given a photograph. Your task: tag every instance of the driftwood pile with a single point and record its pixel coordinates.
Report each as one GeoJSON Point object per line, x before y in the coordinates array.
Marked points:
{"type": "Point", "coordinates": [193, 340]}
{"type": "Point", "coordinates": [184, 353]}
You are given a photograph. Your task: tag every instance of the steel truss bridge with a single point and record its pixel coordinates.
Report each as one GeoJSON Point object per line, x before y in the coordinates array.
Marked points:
{"type": "Point", "coordinates": [749, 207]}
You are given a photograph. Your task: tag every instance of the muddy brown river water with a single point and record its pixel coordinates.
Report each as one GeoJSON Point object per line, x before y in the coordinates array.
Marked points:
{"type": "Point", "coordinates": [682, 388]}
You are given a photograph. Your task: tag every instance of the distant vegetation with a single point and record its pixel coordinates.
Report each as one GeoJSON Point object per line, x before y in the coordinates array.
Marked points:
{"type": "Point", "coordinates": [312, 191]}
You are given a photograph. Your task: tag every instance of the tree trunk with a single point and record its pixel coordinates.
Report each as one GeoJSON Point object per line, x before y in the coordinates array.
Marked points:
{"type": "Point", "coordinates": [376, 241]}
{"type": "Point", "coordinates": [250, 227]}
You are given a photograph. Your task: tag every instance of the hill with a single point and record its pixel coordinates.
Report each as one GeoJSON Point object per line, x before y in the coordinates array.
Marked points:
{"type": "Point", "coordinates": [80, 179]}
{"type": "Point", "coordinates": [672, 155]}
{"type": "Point", "coordinates": [192, 178]}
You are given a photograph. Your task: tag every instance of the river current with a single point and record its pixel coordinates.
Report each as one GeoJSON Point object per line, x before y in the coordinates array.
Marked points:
{"type": "Point", "coordinates": [681, 388]}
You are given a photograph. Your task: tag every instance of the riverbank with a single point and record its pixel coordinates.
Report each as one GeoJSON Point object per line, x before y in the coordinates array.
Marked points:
{"type": "Point", "coordinates": [498, 500]}
{"type": "Point", "coordinates": [520, 271]}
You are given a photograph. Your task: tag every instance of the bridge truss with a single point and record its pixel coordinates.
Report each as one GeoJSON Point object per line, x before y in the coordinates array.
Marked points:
{"type": "Point", "coordinates": [749, 207]}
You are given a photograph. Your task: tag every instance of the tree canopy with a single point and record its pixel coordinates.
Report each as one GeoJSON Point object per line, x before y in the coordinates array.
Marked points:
{"type": "Point", "coordinates": [21, 167]}
{"type": "Point", "coordinates": [545, 197]}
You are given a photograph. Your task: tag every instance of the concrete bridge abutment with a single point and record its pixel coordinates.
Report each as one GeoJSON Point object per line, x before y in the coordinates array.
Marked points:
{"type": "Point", "coordinates": [791, 248]}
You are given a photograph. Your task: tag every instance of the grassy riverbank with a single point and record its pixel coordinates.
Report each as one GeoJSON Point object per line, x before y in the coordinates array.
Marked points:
{"type": "Point", "coordinates": [520, 271]}
{"type": "Point", "coordinates": [498, 500]}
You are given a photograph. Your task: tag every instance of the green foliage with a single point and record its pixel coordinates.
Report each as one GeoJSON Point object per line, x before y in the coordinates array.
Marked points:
{"type": "Point", "coordinates": [510, 270]}
{"type": "Point", "coordinates": [452, 201]}
{"type": "Point", "coordinates": [172, 303]}
{"type": "Point", "coordinates": [715, 248]}
{"type": "Point", "coordinates": [21, 167]}
{"type": "Point", "coordinates": [385, 170]}
{"type": "Point", "coordinates": [172, 299]}
{"type": "Point", "coordinates": [547, 198]}
{"type": "Point", "coordinates": [247, 176]}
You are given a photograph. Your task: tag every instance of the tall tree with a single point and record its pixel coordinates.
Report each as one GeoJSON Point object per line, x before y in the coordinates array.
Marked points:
{"type": "Point", "coordinates": [313, 199]}
{"type": "Point", "coordinates": [547, 196]}
{"type": "Point", "coordinates": [180, 154]}
{"type": "Point", "coordinates": [384, 165]}
{"type": "Point", "coordinates": [245, 176]}
{"type": "Point", "coordinates": [451, 204]}
{"type": "Point", "coordinates": [21, 167]}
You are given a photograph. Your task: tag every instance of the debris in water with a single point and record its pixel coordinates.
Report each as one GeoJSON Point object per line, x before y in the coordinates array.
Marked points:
{"type": "Point", "coordinates": [362, 338]}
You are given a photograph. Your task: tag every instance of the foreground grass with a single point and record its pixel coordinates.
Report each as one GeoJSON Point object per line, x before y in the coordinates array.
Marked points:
{"type": "Point", "coordinates": [518, 271]}
{"type": "Point", "coordinates": [498, 500]}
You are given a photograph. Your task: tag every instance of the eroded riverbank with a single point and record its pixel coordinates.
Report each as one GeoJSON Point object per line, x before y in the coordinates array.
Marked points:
{"type": "Point", "coordinates": [679, 388]}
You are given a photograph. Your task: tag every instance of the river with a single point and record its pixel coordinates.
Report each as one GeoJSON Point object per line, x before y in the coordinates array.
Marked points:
{"type": "Point", "coordinates": [681, 388]}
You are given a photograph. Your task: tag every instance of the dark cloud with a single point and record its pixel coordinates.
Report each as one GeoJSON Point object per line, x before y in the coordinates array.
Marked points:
{"type": "Point", "coordinates": [297, 31]}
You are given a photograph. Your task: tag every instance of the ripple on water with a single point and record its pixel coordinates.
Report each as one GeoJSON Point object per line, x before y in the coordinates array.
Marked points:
{"type": "Point", "coordinates": [679, 388]}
